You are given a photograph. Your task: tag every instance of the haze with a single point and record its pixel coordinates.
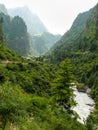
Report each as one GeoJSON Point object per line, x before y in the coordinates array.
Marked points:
{"type": "Point", "coordinates": [57, 15]}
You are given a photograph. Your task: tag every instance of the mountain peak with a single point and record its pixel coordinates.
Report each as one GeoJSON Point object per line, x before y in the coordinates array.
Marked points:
{"type": "Point", "coordinates": [33, 22]}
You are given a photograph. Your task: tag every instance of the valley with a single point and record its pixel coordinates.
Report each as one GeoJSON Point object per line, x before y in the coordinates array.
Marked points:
{"type": "Point", "coordinates": [38, 69]}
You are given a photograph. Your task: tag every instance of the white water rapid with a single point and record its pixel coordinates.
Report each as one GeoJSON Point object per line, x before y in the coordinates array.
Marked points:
{"type": "Point", "coordinates": [84, 106]}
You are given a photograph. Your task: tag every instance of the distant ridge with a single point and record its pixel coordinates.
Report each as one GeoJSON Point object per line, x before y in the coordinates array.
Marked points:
{"type": "Point", "coordinates": [33, 22]}
{"type": "Point", "coordinates": [70, 41]}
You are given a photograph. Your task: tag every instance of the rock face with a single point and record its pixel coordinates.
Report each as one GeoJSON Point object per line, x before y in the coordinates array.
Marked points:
{"type": "Point", "coordinates": [84, 106]}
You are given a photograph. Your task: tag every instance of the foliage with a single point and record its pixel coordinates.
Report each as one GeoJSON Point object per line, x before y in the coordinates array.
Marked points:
{"type": "Point", "coordinates": [33, 94]}
{"type": "Point", "coordinates": [35, 79]}
{"type": "Point", "coordinates": [13, 103]}
{"type": "Point", "coordinates": [80, 45]}
{"type": "Point", "coordinates": [62, 91]}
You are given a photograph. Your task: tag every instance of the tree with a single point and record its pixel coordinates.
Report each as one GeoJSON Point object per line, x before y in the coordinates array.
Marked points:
{"type": "Point", "coordinates": [62, 90]}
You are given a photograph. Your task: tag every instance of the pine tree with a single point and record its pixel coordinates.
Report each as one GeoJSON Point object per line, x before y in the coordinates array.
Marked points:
{"type": "Point", "coordinates": [62, 90]}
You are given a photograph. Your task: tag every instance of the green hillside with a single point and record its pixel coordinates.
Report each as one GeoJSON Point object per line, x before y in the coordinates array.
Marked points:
{"type": "Point", "coordinates": [83, 49]}
{"type": "Point", "coordinates": [37, 94]}
{"type": "Point", "coordinates": [80, 45]}
{"type": "Point", "coordinates": [27, 99]}
{"type": "Point", "coordinates": [41, 43]}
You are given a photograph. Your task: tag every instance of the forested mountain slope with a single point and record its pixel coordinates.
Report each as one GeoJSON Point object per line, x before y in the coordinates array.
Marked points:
{"type": "Point", "coordinates": [28, 97]}
{"type": "Point", "coordinates": [70, 37]}
{"type": "Point", "coordinates": [25, 33]}
{"type": "Point", "coordinates": [16, 34]}
{"type": "Point", "coordinates": [35, 95]}
{"type": "Point", "coordinates": [40, 39]}
{"type": "Point", "coordinates": [77, 27]}
{"type": "Point", "coordinates": [83, 49]}
{"type": "Point", "coordinates": [80, 45]}
{"type": "Point", "coordinates": [5, 53]}
{"type": "Point", "coordinates": [41, 43]}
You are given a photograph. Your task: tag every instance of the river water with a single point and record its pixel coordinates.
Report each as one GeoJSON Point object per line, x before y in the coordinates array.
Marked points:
{"type": "Point", "coordinates": [85, 105]}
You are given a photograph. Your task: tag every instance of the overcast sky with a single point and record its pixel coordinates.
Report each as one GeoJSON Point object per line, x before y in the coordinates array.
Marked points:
{"type": "Point", "coordinates": [57, 15]}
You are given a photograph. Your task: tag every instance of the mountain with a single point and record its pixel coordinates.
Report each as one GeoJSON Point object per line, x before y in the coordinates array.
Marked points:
{"type": "Point", "coordinates": [69, 40]}
{"type": "Point", "coordinates": [34, 94]}
{"type": "Point", "coordinates": [36, 42]}
{"type": "Point", "coordinates": [80, 45]}
{"type": "Point", "coordinates": [3, 9]}
{"type": "Point", "coordinates": [26, 94]}
{"type": "Point", "coordinates": [16, 34]}
{"type": "Point", "coordinates": [5, 53]}
{"type": "Point", "coordinates": [42, 42]}
{"type": "Point", "coordinates": [33, 22]}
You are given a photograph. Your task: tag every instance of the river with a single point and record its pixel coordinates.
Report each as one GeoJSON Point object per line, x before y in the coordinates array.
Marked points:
{"type": "Point", "coordinates": [85, 105]}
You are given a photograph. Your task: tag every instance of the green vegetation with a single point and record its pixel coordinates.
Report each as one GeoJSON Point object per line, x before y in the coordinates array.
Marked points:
{"type": "Point", "coordinates": [20, 32]}
{"type": "Point", "coordinates": [26, 97]}
{"type": "Point", "coordinates": [16, 34]}
{"type": "Point", "coordinates": [5, 53]}
{"type": "Point", "coordinates": [41, 43]}
{"type": "Point", "coordinates": [35, 95]}
{"type": "Point", "coordinates": [62, 91]}
{"type": "Point", "coordinates": [80, 45]}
